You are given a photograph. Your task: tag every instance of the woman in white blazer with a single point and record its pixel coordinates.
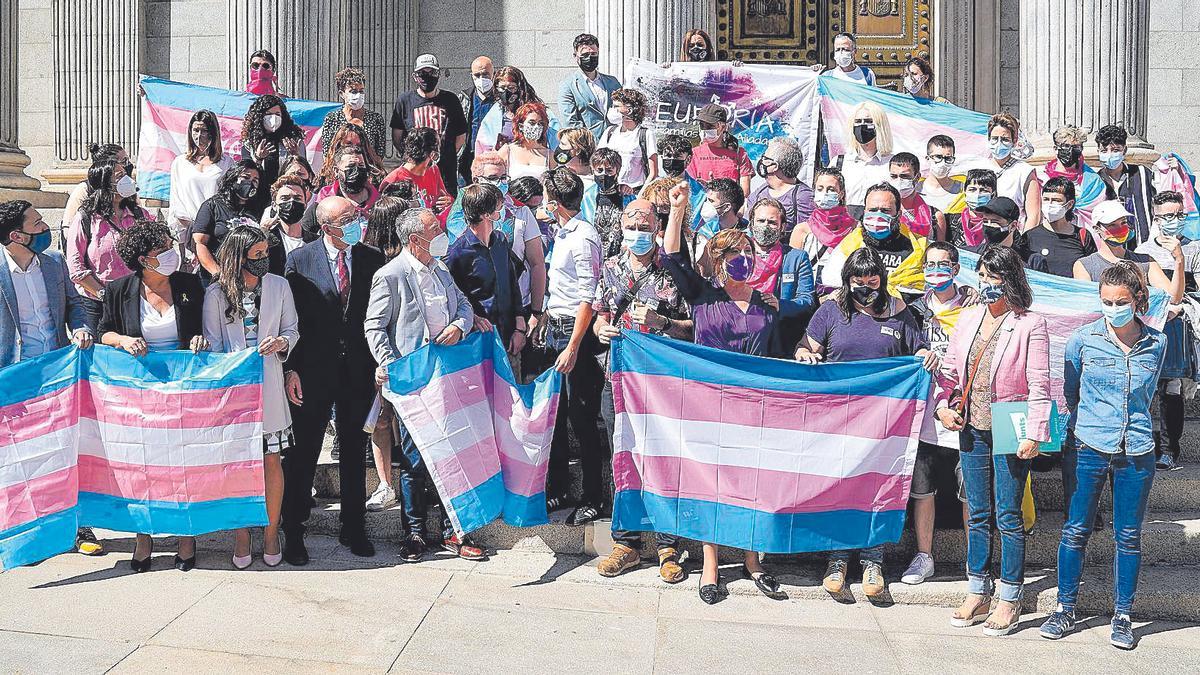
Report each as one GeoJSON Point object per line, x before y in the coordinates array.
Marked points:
{"type": "Point", "coordinates": [245, 308]}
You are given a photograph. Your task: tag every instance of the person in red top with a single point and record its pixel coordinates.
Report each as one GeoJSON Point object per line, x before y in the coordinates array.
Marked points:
{"type": "Point", "coordinates": [421, 157]}
{"type": "Point", "coordinates": [719, 155]}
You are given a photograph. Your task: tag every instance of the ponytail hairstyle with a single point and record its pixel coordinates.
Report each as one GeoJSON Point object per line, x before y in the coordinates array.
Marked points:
{"type": "Point", "coordinates": [98, 200]}
{"type": "Point", "coordinates": [1129, 276]}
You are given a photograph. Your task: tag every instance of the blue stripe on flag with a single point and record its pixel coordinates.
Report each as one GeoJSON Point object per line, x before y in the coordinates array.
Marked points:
{"type": "Point", "coordinates": [38, 539]}
{"type": "Point", "coordinates": [926, 110]}
{"type": "Point", "coordinates": [39, 376]}
{"type": "Point", "coordinates": [481, 505]}
{"type": "Point", "coordinates": [226, 102]}
{"type": "Point", "coordinates": [898, 377]}
{"type": "Point", "coordinates": [170, 518]}
{"type": "Point", "coordinates": [751, 530]}
{"type": "Point", "coordinates": [173, 371]}
{"type": "Point", "coordinates": [153, 184]}
{"type": "Point", "coordinates": [522, 511]}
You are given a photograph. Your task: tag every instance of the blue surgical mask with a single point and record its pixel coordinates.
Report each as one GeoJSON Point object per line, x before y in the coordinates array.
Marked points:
{"type": "Point", "coordinates": [989, 293]}
{"type": "Point", "coordinates": [978, 199]}
{"type": "Point", "coordinates": [1170, 227]}
{"type": "Point", "coordinates": [638, 243]}
{"type": "Point", "coordinates": [1117, 315]}
{"type": "Point", "coordinates": [352, 231]}
{"type": "Point", "coordinates": [1112, 160]}
{"type": "Point", "coordinates": [1000, 149]}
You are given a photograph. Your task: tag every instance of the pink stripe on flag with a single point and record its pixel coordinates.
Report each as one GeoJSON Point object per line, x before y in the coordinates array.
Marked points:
{"type": "Point", "coordinates": [171, 483]}
{"type": "Point", "coordinates": [443, 395]}
{"type": "Point", "coordinates": [39, 416]}
{"type": "Point", "coordinates": [468, 468]}
{"type": "Point", "coordinates": [874, 417]}
{"type": "Point", "coordinates": [192, 409]}
{"type": "Point", "coordinates": [772, 491]}
{"type": "Point", "coordinates": [25, 502]}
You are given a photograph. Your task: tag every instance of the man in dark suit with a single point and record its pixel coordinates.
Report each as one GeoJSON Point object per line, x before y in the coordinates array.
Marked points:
{"type": "Point", "coordinates": [331, 365]}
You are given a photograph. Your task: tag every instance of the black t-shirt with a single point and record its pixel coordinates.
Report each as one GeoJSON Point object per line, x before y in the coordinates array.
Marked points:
{"type": "Point", "coordinates": [893, 250]}
{"type": "Point", "coordinates": [1059, 251]}
{"type": "Point", "coordinates": [443, 113]}
{"type": "Point", "coordinates": [212, 218]}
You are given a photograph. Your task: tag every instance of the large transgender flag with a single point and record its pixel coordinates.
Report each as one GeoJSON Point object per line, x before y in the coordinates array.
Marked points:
{"type": "Point", "coordinates": [761, 454]}
{"type": "Point", "coordinates": [167, 107]}
{"type": "Point", "coordinates": [912, 120]}
{"type": "Point", "coordinates": [484, 438]}
{"type": "Point", "coordinates": [169, 443]}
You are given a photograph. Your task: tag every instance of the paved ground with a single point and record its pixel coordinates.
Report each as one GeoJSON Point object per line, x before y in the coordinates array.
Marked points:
{"type": "Point", "coordinates": [518, 612]}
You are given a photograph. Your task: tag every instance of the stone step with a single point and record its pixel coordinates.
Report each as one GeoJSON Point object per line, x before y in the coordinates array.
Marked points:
{"type": "Point", "coordinates": [1167, 538]}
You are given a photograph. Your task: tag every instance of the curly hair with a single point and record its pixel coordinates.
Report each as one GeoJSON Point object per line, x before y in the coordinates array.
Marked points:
{"type": "Point", "coordinates": [290, 182]}
{"type": "Point", "coordinates": [143, 237]}
{"type": "Point", "coordinates": [524, 112]}
{"type": "Point", "coordinates": [348, 76]}
{"type": "Point", "coordinates": [635, 100]}
{"type": "Point", "coordinates": [227, 186]}
{"type": "Point", "coordinates": [252, 125]}
{"type": "Point", "coordinates": [788, 156]}
{"type": "Point", "coordinates": [12, 217]}
{"type": "Point", "coordinates": [419, 144]}
{"type": "Point", "coordinates": [674, 144]}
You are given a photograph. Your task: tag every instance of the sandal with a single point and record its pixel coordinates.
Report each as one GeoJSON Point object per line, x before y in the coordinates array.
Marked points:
{"type": "Point", "coordinates": [992, 630]}
{"type": "Point", "coordinates": [980, 613]}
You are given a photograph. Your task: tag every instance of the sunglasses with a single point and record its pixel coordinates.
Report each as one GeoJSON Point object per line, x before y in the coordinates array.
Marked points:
{"type": "Point", "coordinates": [256, 65]}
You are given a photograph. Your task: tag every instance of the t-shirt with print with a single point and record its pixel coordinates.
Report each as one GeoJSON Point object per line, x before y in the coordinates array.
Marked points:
{"type": "Point", "coordinates": [711, 161]}
{"type": "Point", "coordinates": [443, 113]}
{"type": "Point", "coordinates": [864, 337]}
{"type": "Point", "coordinates": [892, 251]}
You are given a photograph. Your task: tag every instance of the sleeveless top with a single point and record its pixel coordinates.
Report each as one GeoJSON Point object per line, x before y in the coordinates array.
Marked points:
{"type": "Point", "coordinates": [1095, 264]}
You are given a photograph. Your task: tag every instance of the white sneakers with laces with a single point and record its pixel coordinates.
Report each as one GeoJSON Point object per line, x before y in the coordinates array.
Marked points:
{"type": "Point", "coordinates": [383, 497]}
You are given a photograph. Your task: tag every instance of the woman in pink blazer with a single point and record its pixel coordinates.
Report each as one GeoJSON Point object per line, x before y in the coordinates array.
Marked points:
{"type": "Point", "coordinates": [999, 352]}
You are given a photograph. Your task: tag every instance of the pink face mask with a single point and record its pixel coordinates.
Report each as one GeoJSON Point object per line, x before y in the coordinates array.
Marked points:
{"type": "Point", "coordinates": [262, 81]}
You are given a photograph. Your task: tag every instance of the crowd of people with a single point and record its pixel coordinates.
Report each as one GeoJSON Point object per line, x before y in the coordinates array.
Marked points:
{"type": "Point", "coordinates": [562, 243]}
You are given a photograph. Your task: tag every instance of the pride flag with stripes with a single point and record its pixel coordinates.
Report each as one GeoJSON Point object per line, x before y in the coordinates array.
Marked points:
{"type": "Point", "coordinates": [167, 107]}
{"type": "Point", "coordinates": [169, 443]}
{"type": "Point", "coordinates": [484, 438]}
{"type": "Point", "coordinates": [762, 454]}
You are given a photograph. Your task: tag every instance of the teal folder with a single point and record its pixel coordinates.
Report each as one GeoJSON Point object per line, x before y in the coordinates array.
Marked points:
{"type": "Point", "coordinates": [1008, 428]}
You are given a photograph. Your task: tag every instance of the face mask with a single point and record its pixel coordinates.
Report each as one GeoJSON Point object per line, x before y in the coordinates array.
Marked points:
{"type": "Point", "coordinates": [354, 178]}
{"type": "Point", "coordinates": [290, 211]}
{"type": "Point", "coordinates": [614, 116]}
{"type": "Point", "coordinates": [843, 58]}
{"type": "Point", "coordinates": [562, 156]}
{"type": "Point", "coordinates": [501, 185]}
{"type": "Point", "coordinates": [589, 62]}
{"type": "Point", "coordinates": [864, 295]}
{"type": "Point", "coordinates": [1117, 315]}
{"type": "Point", "coordinates": [1116, 237]}
{"type": "Point", "coordinates": [939, 278]}
{"type": "Point", "coordinates": [356, 100]}
{"type": "Point", "coordinates": [905, 186]}
{"type": "Point", "coordinates": [912, 84]}
{"type": "Point", "coordinates": [989, 293]}
{"type": "Point", "coordinates": [606, 183]}
{"type": "Point", "coordinates": [999, 148]}
{"type": "Point", "coordinates": [1112, 160]}
{"type": "Point", "coordinates": [940, 169]}
{"type": "Point", "coordinates": [709, 135]}
{"type": "Point", "coordinates": [426, 82]}
{"type": "Point", "coordinates": [995, 235]}
{"type": "Point", "coordinates": [878, 224]}
{"type": "Point", "coordinates": [352, 231]}
{"type": "Point", "coordinates": [763, 169]}
{"type": "Point", "coordinates": [39, 242]}
{"type": "Point", "coordinates": [978, 199]}
{"type": "Point", "coordinates": [698, 53]}
{"type": "Point", "coordinates": [739, 267]}
{"type": "Point", "coordinates": [1170, 227]}
{"type": "Point", "coordinates": [257, 268]}
{"type": "Point", "coordinates": [532, 131]}
{"type": "Point", "coordinates": [673, 166]}
{"type": "Point", "coordinates": [439, 245]}
{"type": "Point", "coordinates": [272, 123]}
{"type": "Point", "coordinates": [864, 133]}
{"type": "Point", "coordinates": [708, 211]}
{"type": "Point", "coordinates": [1069, 155]}
{"type": "Point", "coordinates": [765, 235]}
{"type": "Point", "coordinates": [826, 200]}
{"type": "Point", "coordinates": [202, 140]}
{"type": "Point", "coordinates": [509, 96]}
{"type": "Point", "coordinates": [126, 187]}
{"type": "Point", "coordinates": [167, 262]}
{"type": "Point", "coordinates": [637, 242]}
{"type": "Point", "coordinates": [245, 189]}
{"type": "Point", "coordinates": [261, 81]}
{"type": "Point", "coordinates": [483, 84]}
{"type": "Point", "coordinates": [1053, 211]}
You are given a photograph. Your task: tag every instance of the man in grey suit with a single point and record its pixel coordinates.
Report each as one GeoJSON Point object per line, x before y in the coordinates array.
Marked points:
{"type": "Point", "coordinates": [40, 304]}
{"type": "Point", "coordinates": [584, 97]}
{"type": "Point", "coordinates": [414, 302]}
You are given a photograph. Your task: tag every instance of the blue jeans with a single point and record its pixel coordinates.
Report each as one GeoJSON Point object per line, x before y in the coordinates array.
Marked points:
{"type": "Point", "coordinates": [995, 485]}
{"type": "Point", "coordinates": [1131, 479]}
{"type": "Point", "coordinates": [410, 486]}
{"type": "Point", "coordinates": [873, 554]}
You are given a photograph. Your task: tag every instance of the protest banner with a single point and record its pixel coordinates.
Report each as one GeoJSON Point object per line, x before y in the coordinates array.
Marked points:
{"type": "Point", "coordinates": [762, 454]}
{"type": "Point", "coordinates": [484, 438]}
{"type": "Point", "coordinates": [168, 443]}
{"type": "Point", "coordinates": [167, 107]}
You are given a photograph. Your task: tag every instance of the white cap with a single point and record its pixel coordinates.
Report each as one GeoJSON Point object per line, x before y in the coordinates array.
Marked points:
{"type": "Point", "coordinates": [426, 61]}
{"type": "Point", "coordinates": [1109, 212]}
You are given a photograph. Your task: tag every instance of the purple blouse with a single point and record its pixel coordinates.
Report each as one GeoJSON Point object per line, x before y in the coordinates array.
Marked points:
{"type": "Point", "coordinates": [719, 321]}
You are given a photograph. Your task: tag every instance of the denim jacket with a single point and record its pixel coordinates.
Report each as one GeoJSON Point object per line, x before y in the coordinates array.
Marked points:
{"type": "Point", "coordinates": [1109, 392]}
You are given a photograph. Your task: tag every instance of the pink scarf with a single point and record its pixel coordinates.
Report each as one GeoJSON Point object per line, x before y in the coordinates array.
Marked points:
{"type": "Point", "coordinates": [261, 82]}
{"type": "Point", "coordinates": [766, 270]}
{"type": "Point", "coordinates": [918, 219]}
{"type": "Point", "coordinates": [1053, 170]}
{"type": "Point", "coordinates": [832, 225]}
{"type": "Point", "coordinates": [972, 229]}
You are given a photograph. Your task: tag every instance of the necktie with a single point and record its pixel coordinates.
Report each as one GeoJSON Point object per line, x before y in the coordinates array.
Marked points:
{"type": "Point", "coordinates": [343, 278]}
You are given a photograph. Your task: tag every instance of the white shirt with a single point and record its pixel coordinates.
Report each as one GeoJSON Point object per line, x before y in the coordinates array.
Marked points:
{"type": "Point", "coordinates": [861, 174]}
{"type": "Point", "coordinates": [597, 91]}
{"type": "Point", "coordinates": [292, 243]}
{"type": "Point", "coordinates": [525, 230]}
{"type": "Point", "coordinates": [159, 330]}
{"type": "Point", "coordinates": [861, 75]}
{"type": "Point", "coordinates": [34, 327]}
{"type": "Point", "coordinates": [574, 267]}
{"type": "Point", "coordinates": [633, 174]}
{"type": "Point", "coordinates": [433, 294]}
{"type": "Point", "coordinates": [191, 185]}
{"type": "Point", "coordinates": [939, 200]}
{"type": "Point", "coordinates": [332, 252]}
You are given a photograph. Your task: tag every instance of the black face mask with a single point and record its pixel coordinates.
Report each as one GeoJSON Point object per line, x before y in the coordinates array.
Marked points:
{"type": "Point", "coordinates": [606, 182]}
{"type": "Point", "coordinates": [354, 178]}
{"type": "Point", "coordinates": [426, 82]}
{"type": "Point", "coordinates": [290, 211]}
{"type": "Point", "coordinates": [245, 190]}
{"type": "Point", "coordinates": [995, 235]}
{"type": "Point", "coordinates": [508, 96]}
{"type": "Point", "coordinates": [761, 168]}
{"type": "Point", "coordinates": [562, 156]}
{"type": "Point", "coordinates": [1069, 156]}
{"type": "Point", "coordinates": [864, 295]}
{"type": "Point", "coordinates": [864, 133]}
{"type": "Point", "coordinates": [589, 62]}
{"type": "Point", "coordinates": [257, 268]}
{"type": "Point", "coordinates": [698, 53]}
{"type": "Point", "coordinates": [674, 166]}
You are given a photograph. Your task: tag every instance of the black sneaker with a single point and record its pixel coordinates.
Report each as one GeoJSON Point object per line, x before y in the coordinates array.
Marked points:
{"type": "Point", "coordinates": [1166, 463]}
{"type": "Point", "coordinates": [412, 548]}
{"type": "Point", "coordinates": [1122, 632]}
{"type": "Point", "coordinates": [583, 514]}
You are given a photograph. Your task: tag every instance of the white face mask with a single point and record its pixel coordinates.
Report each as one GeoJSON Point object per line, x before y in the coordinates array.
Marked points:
{"type": "Point", "coordinates": [356, 100]}
{"type": "Point", "coordinates": [532, 131]}
{"type": "Point", "coordinates": [167, 262]}
{"type": "Point", "coordinates": [483, 84]}
{"type": "Point", "coordinates": [614, 116]}
{"type": "Point", "coordinates": [905, 186]}
{"type": "Point", "coordinates": [1053, 211]}
{"type": "Point", "coordinates": [126, 187]}
{"type": "Point", "coordinates": [940, 170]}
{"type": "Point", "coordinates": [913, 84]}
{"type": "Point", "coordinates": [843, 58]}
{"type": "Point", "coordinates": [439, 246]}
{"type": "Point", "coordinates": [272, 122]}
{"type": "Point", "coordinates": [709, 135]}
{"type": "Point", "coordinates": [708, 211]}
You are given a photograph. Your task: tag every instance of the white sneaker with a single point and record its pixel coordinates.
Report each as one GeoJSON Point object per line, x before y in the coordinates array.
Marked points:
{"type": "Point", "coordinates": [920, 569]}
{"type": "Point", "coordinates": [383, 497]}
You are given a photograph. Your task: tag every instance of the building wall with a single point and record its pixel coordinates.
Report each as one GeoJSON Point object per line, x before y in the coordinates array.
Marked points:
{"type": "Point", "coordinates": [1175, 78]}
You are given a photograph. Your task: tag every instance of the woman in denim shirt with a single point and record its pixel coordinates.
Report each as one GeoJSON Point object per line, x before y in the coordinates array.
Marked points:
{"type": "Point", "coordinates": [1112, 368]}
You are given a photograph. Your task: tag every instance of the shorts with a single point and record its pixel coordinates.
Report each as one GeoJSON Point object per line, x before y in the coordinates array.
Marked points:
{"type": "Point", "coordinates": [933, 463]}
{"type": "Point", "coordinates": [276, 442]}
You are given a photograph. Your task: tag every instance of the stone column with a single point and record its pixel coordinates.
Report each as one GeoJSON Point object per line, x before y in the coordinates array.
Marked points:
{"type": "Point", "coordinates": [1083, 63]}
{"type": "Point", "coordinates": [966, 40]}
{"type": "Point", "coordinates": [14, 184]}
{"type": "Point", "coordinates": [650, 29]}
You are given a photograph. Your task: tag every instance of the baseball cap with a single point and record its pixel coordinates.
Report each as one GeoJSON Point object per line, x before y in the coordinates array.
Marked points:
{"type": "Point", "coordinates": [712, 113]}
{"type": "Point", "coordinates": [1109, 211]}
{"type": "Point", "coordinates": [426, 61]}
{"type": "Point", "coordinates": [1003, 207]}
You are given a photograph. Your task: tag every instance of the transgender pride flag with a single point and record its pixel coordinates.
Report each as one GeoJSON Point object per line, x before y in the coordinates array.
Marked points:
{"type": "Point", "coordinates": [484, 438]}
{"type": "Point", "coordinates": [167, 107]}
{"type": "Point", "coordinates": [761, 454]}
{"type": "Point", "coordinates": [169, 443]}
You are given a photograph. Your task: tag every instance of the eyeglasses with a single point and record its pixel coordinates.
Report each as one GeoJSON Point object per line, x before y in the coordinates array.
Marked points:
{"type": "Point", "coordinates": [934, 266]}
{"type": "Point", "coordinates": [639, 214]}
{"type": "Point", "coordinates": [940, 159]}
{"type": "Point", "coordinates": [265, 65]}
{"type": "Point", "coordinates": [1176, 218]}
